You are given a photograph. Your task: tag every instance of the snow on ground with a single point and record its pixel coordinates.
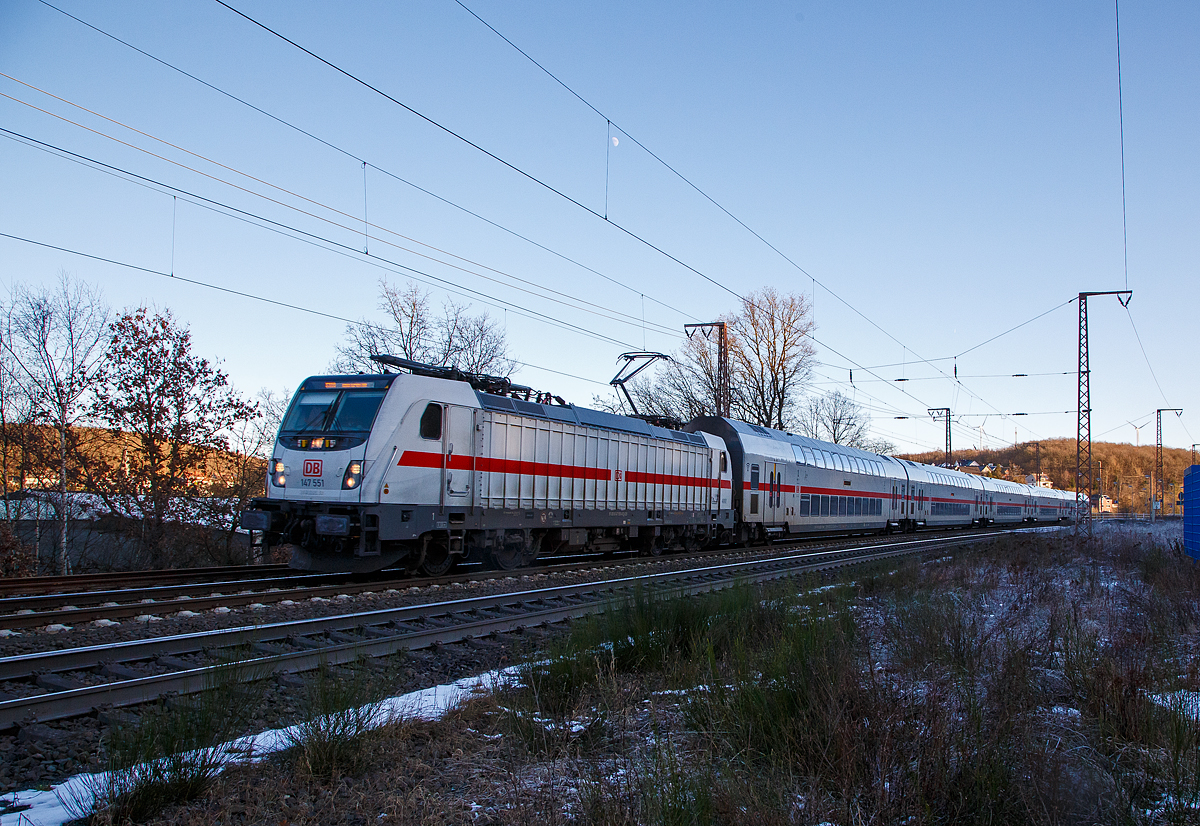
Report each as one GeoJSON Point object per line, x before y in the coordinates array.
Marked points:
{"type": "Point", "coordinates": [54, 807]}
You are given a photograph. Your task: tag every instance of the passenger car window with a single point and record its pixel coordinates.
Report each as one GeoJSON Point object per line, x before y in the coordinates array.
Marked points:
{"type": "Point", "coordinates": [431, 422]}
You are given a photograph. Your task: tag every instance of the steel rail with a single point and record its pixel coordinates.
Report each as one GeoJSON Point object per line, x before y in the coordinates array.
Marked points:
{"type": "Point", "coordinates": [77, 701]}
{"type": "Point", "coordinates": [133, 604]}
{"type": "Point", "coordinates": [159, 593]}
{"type": "Point", "coordinates": [71, 659]}
{"type": "Point", "coordinates": [82, 582]}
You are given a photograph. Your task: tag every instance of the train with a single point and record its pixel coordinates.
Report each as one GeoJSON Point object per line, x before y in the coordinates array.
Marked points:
{"type": "Point", "coordinates": [424, 467]}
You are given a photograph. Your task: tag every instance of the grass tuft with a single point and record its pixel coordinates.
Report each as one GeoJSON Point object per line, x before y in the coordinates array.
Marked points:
{"type": "Point", "coordinates": [342, 710]}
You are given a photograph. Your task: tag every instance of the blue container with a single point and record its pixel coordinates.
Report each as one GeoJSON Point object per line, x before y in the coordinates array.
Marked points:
{"type": "Point", "coordinates": [1191, 511]}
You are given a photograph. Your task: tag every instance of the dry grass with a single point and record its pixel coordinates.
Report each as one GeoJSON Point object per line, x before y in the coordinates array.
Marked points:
{"type": "Point", "coordinates": [1015, 684]}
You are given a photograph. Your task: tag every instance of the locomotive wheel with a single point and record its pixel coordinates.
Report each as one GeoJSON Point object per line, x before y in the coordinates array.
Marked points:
{"type": "Point", "coordinates": [512, 554]}
{"type": "Point", "coordinates": [438, 560]}
{"type": "Point", "coordinates": [508, 558]}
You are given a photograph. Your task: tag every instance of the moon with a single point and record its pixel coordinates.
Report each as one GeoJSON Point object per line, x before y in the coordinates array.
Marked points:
{"type": "Point", "coordinates": [615, 141]}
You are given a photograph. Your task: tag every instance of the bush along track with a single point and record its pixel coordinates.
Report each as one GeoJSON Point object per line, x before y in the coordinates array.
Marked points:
{"type": "Point", "coordinates": [1031, 681]}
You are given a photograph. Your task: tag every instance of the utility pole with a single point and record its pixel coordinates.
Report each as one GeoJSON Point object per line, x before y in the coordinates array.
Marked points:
{"type": "Point", "coordinates": [1083, 431]}
{"type": "Point", "coordinates": [1157, 504]}
{"type": "Point", "coordinates": [943, 413]}
{"type": "Point", "coordinates": [724, 393]}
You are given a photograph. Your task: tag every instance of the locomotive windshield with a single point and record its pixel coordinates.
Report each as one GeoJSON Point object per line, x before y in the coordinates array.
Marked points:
{"type": "Point", "coordinates": [336, 411]}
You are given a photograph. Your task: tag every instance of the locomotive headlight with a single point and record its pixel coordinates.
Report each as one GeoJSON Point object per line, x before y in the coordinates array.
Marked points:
{"type": "Point", "coordinates": [278, 477]}
{"type": "Point", "coordinates": [353, 475]}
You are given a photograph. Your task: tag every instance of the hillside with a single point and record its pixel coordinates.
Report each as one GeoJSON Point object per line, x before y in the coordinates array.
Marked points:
{"type": "Point", "coordinates": [1113, 464]}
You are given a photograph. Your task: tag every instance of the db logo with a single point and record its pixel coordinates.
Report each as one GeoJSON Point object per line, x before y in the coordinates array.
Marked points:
{"type": "Point", "coordinates": [312, 467]}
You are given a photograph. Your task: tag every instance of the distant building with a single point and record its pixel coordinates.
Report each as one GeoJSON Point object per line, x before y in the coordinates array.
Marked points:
{"type": "Point", "coordinates": [1104, 503]}
{"type": "Point", "coordinates": [1040, 480]}
{"type": "Point", "coordinates": [970, 467]}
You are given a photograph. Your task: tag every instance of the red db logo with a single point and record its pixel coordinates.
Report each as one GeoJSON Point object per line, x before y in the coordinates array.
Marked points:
{"type": "Point", "coordinates": [312, 467]}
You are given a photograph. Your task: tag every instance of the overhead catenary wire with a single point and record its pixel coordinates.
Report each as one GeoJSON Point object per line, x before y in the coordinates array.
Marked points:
{"type": "Point", "coordinates": [1121, 119]}
{"type": "Point", "coordinates": [612, 315]}
{"type": "Point", "coordinates": [678, 174]}
{"type": "Point", "coordinates": [506, 163]}
{"type": "Point", "coordinates": [314, 239]}
{"type": "Point", "coordinates": [243, 294]}
{"type": "Point", "coordinates": [303, 211]}
{"type": "Point", "coordinates": [360, 160]}
{"type": "Point", "coordinates": [1150, 366]}
{"type": "Point", "coordinates": [596, 308]}
{"type": "Point", "coordinates": [968, 390]}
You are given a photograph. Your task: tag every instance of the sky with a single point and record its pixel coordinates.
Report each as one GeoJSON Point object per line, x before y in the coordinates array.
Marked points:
{"type": "Point", "coordinates": [930, 174]}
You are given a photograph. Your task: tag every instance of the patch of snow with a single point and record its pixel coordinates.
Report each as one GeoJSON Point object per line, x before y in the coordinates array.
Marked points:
{"type": "Point", "coordinates": [186, 614]}
{"type": "Point", "coordinates": [343, 597]}
{"type": "Point", "coordinates": [55, 627]}
{"type": "Point", "coordinates": [24, 611]}
{"type": "Point", "coordinates": [147, 618]}
{"type": "Point", "coordinates": [318, 599]}
{"type": "Point", "coordinates": [1067, 711]}
{"type": "Point", "coordinates": [1185, 702]}
{"type": "Point", "coordinates": [222, 609]}
{"type": "Point", "coordinates": [105, 623]}
{"type": "Point", "coordinates": [8, 632]}
{"type": "Point", "coordinates": [287, 602]}
{"type": "Point", "coordinates": [256, 606]}
{"type": "Point", "coordinates": [109, 604]}
{"type": "Point", "coordinates": [53, 807]}
{"type": "Point", "coordinates": [67, 608]}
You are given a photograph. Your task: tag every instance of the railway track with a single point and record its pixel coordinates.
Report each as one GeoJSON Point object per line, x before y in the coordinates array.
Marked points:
{"type": "Point", "coordinates": [76, 583]}
{"type": "Point", "coordinates": [54, 685]}
{"type": "Point", "coordinates": [158, 600]}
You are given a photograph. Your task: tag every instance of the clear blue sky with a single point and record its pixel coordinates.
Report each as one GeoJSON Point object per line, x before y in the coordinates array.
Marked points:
{"type": "Point", "coordinates": [949, 170]}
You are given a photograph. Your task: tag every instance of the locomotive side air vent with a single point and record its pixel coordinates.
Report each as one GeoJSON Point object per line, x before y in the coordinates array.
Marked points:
{"type": "Point", "coordinates": [529, 408]}
{"type": "Point", "coordinates": [496, 402]}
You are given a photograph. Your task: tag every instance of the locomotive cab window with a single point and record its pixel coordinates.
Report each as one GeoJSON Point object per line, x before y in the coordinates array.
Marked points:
{"type": "Point", "coordinates": [754, 477]}
{"type": "Point", "coordinates": [333, 411]}
{"type": "Point", "coordinates": [724, 462]}
{"type": "Point", "coordinates": [431, 422]}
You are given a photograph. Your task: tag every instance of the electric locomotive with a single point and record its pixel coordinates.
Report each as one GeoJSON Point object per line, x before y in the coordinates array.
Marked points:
{"type": "Point", "coordinates": [433, 466]}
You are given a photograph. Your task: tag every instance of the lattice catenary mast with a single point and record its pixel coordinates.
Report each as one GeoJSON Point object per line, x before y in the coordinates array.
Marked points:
{"type": "Point", "coordinates": [1083, 433]}
{"type": "Point", "coordinates": [1157, 505]}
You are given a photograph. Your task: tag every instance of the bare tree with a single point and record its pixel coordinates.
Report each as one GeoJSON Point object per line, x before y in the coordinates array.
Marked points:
{"type": "Point", "coordinates": [839, 419]}
{"type": "Point", "coordinates": [15, 410]}
{"type": "Point", "coordinates": [454, 337]}
{"type": "Point", "coordinates": [56, 341]}
{"type": "Point", "coordinates": [834, 418]}
{"type": "Point", "coordinates": [272, 407]}
{"type": "Point", "coordinates": [770, 353]}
